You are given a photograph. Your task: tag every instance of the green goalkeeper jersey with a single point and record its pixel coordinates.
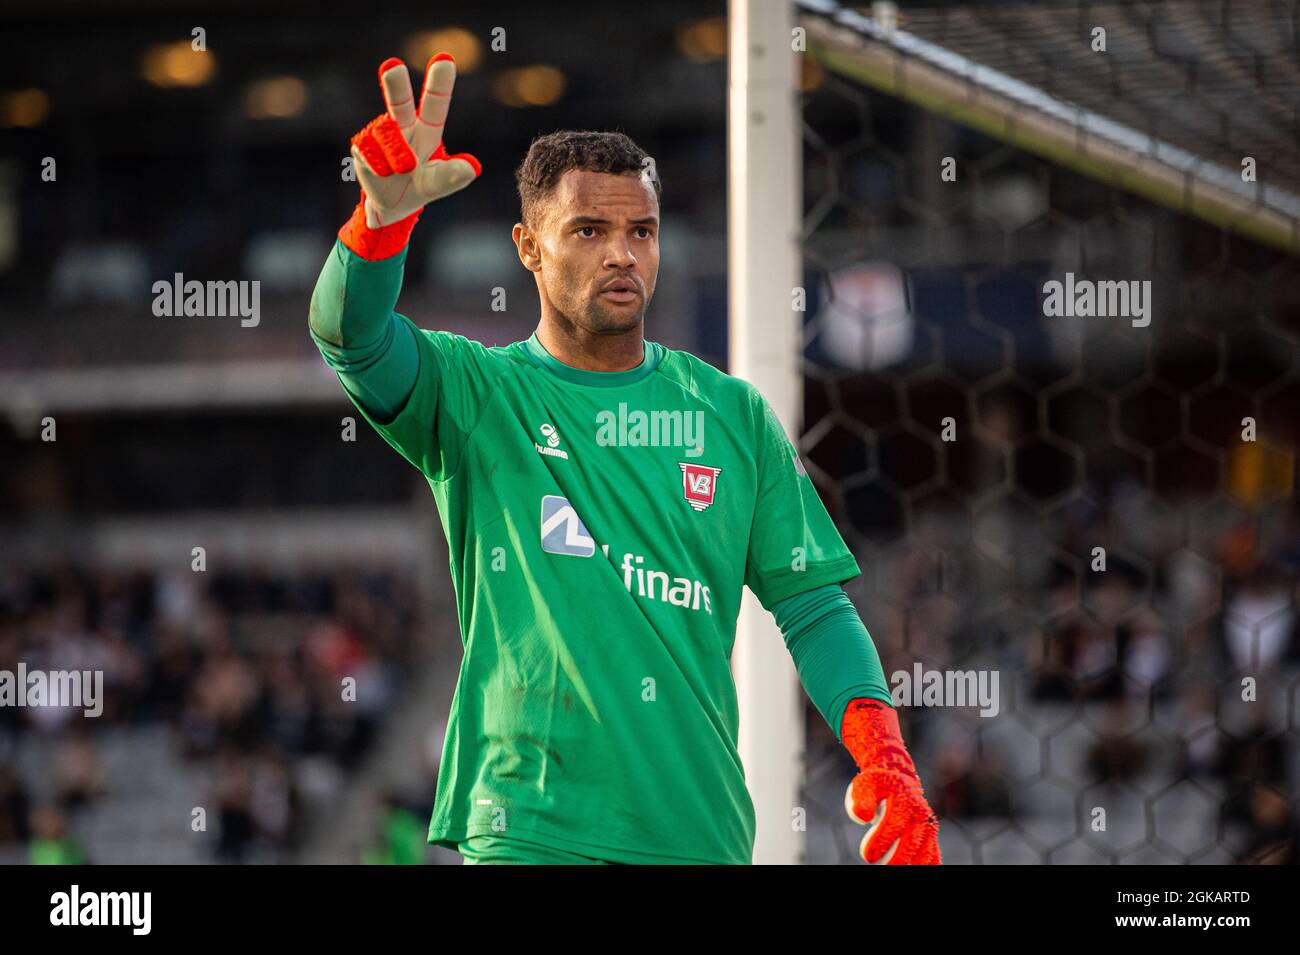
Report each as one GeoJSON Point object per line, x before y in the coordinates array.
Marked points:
{"type": "Point", "coordinates": [601, 526]}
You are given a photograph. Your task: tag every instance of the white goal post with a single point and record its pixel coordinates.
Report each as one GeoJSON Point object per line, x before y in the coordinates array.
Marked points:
{"type": "Point", "coordinates": [764, 264]}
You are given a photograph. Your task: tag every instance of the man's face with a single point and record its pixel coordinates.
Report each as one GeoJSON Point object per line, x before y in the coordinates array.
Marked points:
{"type": "Point", "coordinates": [596, 249]}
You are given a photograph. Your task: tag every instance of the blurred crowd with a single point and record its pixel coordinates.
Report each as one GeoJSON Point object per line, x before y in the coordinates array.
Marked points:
{"type": "Point", "coordinates": [1180, 658]}
{"type": "Point", "coordinates": [255, 674]}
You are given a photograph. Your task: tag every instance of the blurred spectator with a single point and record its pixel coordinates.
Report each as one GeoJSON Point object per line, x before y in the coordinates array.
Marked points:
{"type": "Point", "coordinates": [78, 774]}
{"type": "Point", "coordinates": [246, 668]}
{"type": "Point", "coordinates": [14, 807]}
{"type": "Point", "coordinates": [1258, 621]}
{"type": "Point", "coordinates": [1273, 832]}
{"type": "Point", "coordinates": [234, 794]}
{"type": "Point", "coordinates": [1258, 757]}
{"type": "Point", "coordinates": [1201, 738]}
{"type": "Point", "coordinates": [970, 783]}
{"type": "Point", "coordinates": [400, 837]}
{"type": "Point", "coordinates": [51, 844]}
{"type": "Point", "coordinates": [1117, 756]}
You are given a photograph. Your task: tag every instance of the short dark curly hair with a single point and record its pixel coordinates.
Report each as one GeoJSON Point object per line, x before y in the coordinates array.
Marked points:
{"type": "Point", "coordinates": [552, 155]}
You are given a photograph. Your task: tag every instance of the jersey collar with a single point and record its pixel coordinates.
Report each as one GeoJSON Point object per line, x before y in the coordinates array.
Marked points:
{"type": "Point", "coordinates": [652, 353]}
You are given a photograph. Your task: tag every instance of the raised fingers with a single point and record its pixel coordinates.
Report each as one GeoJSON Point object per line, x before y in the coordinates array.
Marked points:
{"type": "Point", "coordinates": [395, 81]}
{"type": "Point", "coordinates": [435, 99]}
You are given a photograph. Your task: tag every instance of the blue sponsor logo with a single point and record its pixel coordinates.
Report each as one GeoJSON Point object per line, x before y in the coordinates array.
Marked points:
{"type": "Point", "coordinates": [562, 529]}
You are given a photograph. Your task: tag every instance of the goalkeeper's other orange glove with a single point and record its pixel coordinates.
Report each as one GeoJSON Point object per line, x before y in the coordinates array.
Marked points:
{"type": "Point", "coordinates": [401, 161]}
{"type": "Point", "coordinates": [886, 795]}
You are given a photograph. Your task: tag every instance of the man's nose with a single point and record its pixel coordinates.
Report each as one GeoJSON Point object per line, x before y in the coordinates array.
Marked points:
{"type": "Point", "coordinates": [619, 254]}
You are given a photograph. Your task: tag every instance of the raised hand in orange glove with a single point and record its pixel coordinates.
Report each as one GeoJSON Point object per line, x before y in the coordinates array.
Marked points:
{"type": "Point", "coordinates": [401, 162]}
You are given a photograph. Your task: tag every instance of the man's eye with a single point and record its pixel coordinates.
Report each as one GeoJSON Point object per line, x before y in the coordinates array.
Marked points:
{"type": "Point", "coordinates": [647, 232]}
{"type": "Point", "coordinates": [586, 227]}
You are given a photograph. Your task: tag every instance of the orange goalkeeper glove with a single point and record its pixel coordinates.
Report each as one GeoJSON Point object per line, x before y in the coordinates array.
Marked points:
{"type": "Point", "coordinates": [401, 161]}
{"type": "Point", "coordinates": [886, 795]}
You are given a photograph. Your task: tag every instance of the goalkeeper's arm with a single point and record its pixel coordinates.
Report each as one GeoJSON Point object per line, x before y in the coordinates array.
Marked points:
{"type": "Point", "coordinates": [403, 165]}
{"type": "Point", "coordinates": [840, 670]}
{"type": "Point", "coordinates": [352, 322]}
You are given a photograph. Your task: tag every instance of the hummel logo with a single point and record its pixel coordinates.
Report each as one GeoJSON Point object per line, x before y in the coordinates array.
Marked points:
{"type": "Point", "coordinates": [552, 448]}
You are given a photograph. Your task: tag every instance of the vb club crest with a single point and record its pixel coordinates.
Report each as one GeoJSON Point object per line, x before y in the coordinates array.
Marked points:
{"type": "Point", "coordinates": [699, 484]}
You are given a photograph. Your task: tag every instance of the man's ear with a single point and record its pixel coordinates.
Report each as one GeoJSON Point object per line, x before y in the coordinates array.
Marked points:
{"type": "Point", "coordinates": [530, 250]}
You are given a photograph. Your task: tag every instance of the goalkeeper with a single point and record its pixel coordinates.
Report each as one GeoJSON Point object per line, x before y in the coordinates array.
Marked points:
{"type": "Point", "coordinates": [605, 500]}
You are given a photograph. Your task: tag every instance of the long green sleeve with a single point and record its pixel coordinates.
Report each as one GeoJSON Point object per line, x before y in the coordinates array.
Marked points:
{"type": "Point", "coordinates": [832, 650]}
{"type": "Point", "coordinates": [360, 336]}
